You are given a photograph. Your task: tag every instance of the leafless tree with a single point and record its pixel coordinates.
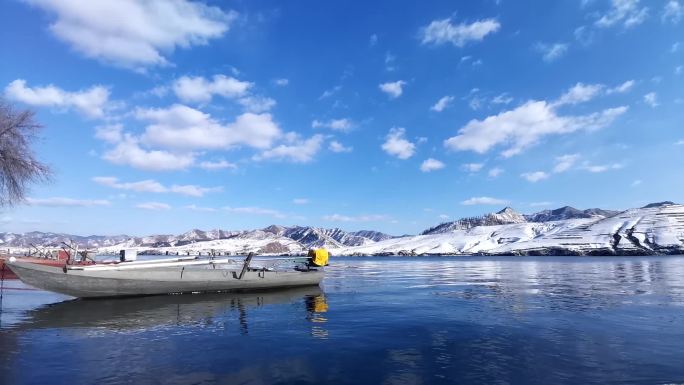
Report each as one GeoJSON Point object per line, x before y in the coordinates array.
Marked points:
{"type": "Point", "coordinates": [18, 165]}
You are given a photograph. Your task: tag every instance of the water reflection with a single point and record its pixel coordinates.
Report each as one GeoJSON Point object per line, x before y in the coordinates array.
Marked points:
{"type": "Point", "coordinates": [379, 321]}
{"type": "Point", "coordinates": [145, 313]}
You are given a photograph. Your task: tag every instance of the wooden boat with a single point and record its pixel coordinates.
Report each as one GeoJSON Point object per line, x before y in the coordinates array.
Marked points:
{"type": "Point", "coordinates": [164, 276]}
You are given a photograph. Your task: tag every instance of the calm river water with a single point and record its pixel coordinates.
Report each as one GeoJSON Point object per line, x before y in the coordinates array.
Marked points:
{"type": "Point", "coordinates": [545, 320]}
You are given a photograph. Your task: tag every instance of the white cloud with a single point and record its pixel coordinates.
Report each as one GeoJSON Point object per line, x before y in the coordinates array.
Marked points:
{"type": "Point", "coordinates": [194, 207]}
{"type": "Point", "coordinates": [431, 164]}
{"type": "Point", "coordinates": [636, 182]}
{"type": "Point", "coordinates": [442, 103]}
{"type": "Point", "coordinates": [396, 145]}
{"type": "Point", "coordinates": [524, 127]}
{"type": "Point", "coordinates": [254, 211]}
{"type": "Point", "coordinates": [651, 99]}
{"type": "Point", "coordinates": [472, 167]}
{"type": "Point", "coordinates": [622, 88]}
{"type": "Point", "coordinates": [338, 147]}
{"type": "Point", "coordinates": [358, 218]}
{"type": "Point", "coordinates": [92, 102]}
{"type": "Point", "coordinates": [200, 90]}
{"type": "Point", "coordinates": [443, 31]}
{"type": "Point", "coordinates": [475, 201]}
{"type": "Point", "coordinates": [296, 150]}
{"type": "Point", "coordinates": [673, 12]}
{"type": "Point", "coordinates": [393, 89]}
{"type": "Point", "coordinates": [443, 216]}
{"type": "Point", "coordinates": [343, 125]}
{"type": "Point", "coordinates": [579, 93]}
{"type": "Point", "coordinates": [535, 176]}
{"type": "Point", "coordinates": [281, 82]}
{"type": "Point", "coordinates": [155, 206]}
{"type": "Point", "coordinates": [373, 40]}
{"type": "Point", "coordinates": [257, 104]}
{"type": "Point", "coordinates": [218, 165]}
{"type": "Point", "coordinates": [495, 172]}
{"type": "Point", "coordinates": [150, 185]}
{"type": "Point", "coordinates": [680, 143]}
{"type": "Point", "coordinates": [626, 12]}
{"type": "Point", "coordinates": [502, 99]}
{"type": "Point", "coordinates": [552, 52]}
{"type": "Point", "coordinates": [603, 167]}
{"type": "Point", "coordinates": [328, 93]}
{"type": "Point", "coordinates": [134, 33]}
{"type": "Point", "coordinates": [183, 127]}
{"type": "Point", "coordinates": [565, 162]}
{"type": "Point", "coordinates": [128, 152]}
{"type": "Point", "coordinates": [300, 201]}
{"type": "Point", "coordinates": [66, 202]}
{"type": "Point", "coordinates": [110, 133]}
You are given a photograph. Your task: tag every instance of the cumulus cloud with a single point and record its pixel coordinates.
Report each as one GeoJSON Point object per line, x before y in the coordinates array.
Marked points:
{"type": "Point", "coordinates": [651, 99]}
{"type": "Point", "coordinates": [622, 88]}
{"type": "Point", "coordinates": [565, 162]}
{"type": "Point", "coordinates": [183, 127]}
{"type": "Point", "coordinates": [393, 89]}
{"type": "Point", "coordinates": [442, 103]}
{"type": "Point", "coordinates": [535, 176]}
{"type": "Point", "coordinates": [92, 102]}
{"type": "Point", "coordinates": [476, 201]}
{"type": "Point", "coordinates": [281, 82]}
{"type": "Point", "coordinates": [338, 147]}
{"type": "Point", "coordinates": [257, 104]}
{"type": "Point", "coordinates": [552, 52]}
{"type": "Point", "coordinates": [66, 202]}
{"type": "Point", "coordinates": [110, 133]}
{"type": "Point", "coordinates": [397, 145]}
{"type": "Point", "coordinates": [128, 152]}
{"type": "Point", "coordinates": [443, 31]}
{"type": "Point", "coordinates": [295, 149]}
{"type": "Point", "coordinates": [579, 93]}
{"type": "Point", "coordinates": [673, 12]}
{"type": "Point", "coordinates": [602, 167]}
{"type": "Point", "coordinates": [495, 172]}
{"type": "Point", "coordinates": [431, 164]}
{"type": "Point", "coordinates": [628, 13]}
{"type": "Point", "coordinates": [217, 165]}
{"type": "Point", "coordinates": [200, 90]}
{"type": "Point", "coordinates": [358, 218]}
{"type": "Point", "coordinates": [154, 206]}
{"type": "Point", "coordinates": [343, 125]}
{"type": "Point", "coordinates": [472, 167]}
{"type": "Point", "coordinates": [524, 127]}
{"type": "Point", "coordinates": [134, 33]}
{"type": "Point", "coordinates": [151, 185]}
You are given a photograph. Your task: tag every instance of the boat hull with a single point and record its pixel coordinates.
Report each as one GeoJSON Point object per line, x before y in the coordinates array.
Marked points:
{"type": "Point", "coordinates": [156, 280]}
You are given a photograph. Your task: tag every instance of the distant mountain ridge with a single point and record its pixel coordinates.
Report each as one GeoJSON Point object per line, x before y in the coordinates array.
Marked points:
{"type": "Point", "coordinates": [654, 228]}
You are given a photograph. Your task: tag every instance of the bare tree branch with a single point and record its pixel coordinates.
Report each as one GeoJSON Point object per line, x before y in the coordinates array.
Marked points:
{"type": "Point", "coordinates": [18, 166]}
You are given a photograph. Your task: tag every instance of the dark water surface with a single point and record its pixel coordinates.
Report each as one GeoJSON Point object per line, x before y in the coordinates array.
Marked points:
{"type": "Point", "coordinates": [543, 320]}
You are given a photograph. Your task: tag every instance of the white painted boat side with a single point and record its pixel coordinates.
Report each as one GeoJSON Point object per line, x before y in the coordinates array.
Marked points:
{"type": "Point", "coordinates": [156, 280]}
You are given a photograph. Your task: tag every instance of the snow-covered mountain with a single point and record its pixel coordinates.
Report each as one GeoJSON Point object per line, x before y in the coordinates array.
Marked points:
{"type": "Point", "coordinates": [653, 229]}
{"type": "Point", "coordinates": [657, 228]}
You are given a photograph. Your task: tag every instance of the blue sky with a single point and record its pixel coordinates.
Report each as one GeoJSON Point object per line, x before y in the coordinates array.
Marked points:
{"type": "Point", "coordinates": [165, 116]}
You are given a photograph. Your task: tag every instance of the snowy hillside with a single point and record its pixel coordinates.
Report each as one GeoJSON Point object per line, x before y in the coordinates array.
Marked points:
{"type": "Point", "coordinates": [654, 229]}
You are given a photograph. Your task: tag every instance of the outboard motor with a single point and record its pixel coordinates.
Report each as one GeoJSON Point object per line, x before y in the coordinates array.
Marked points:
{"type": "Point", "coordinates": [318, 257]}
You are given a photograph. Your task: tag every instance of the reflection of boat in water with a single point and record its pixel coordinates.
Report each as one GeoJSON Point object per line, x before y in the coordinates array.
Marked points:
{"type": "Point", "coordinates": [157, 311]}
{"type": "Point", "coordinates": [163, 276]}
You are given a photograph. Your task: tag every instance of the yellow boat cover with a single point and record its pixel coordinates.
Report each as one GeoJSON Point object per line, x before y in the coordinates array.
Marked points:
{"type": "Point", "coordinates": [319, 257]}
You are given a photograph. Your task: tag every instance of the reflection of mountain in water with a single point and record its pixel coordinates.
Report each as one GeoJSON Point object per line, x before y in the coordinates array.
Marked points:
{"type": "Point", "coordinates": [143, 313]}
